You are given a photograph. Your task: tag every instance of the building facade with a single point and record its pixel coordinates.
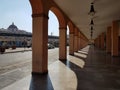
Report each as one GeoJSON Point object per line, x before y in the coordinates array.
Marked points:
{"type": "Point", "coordinates": [12, 36]}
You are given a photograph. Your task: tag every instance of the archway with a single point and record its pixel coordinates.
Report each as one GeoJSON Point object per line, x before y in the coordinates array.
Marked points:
{"type": "Point", "coordinates": [71, 38]}
{"type": "Point", "coordinates": [62, 33]}
{"type": "Point", "coordinates": [40, 34]}
{"type": "Point", "coordinates": [53, 38]}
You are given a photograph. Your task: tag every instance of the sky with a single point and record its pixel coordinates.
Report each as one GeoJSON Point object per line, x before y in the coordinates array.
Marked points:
{"type": "Point", "coordinates": [19, 12]}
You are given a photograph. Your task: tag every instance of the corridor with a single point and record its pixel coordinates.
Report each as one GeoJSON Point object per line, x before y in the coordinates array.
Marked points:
{"type": "Point", "coordinates": [101, 71]}
{"type": "Point", "coordinates": [89, 69]}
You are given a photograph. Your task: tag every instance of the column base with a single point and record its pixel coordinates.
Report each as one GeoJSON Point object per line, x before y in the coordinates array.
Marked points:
{"type": "Point", "coordinates": [108, 52]}
{"type": "Point", "coordinates": [76, 51]}
{"type": "Point", "coordinates": [39, 73]}
{"type": "Point", "coordinates": [62, 59]}
{"type": "Point", "coordinates": [71, 54]}
{"type": "Point", "coordinates": [115, 56]}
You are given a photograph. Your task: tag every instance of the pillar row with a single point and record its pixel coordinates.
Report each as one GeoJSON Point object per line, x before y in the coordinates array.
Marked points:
{"type": "Point", "coordinates": [114, 36]}
{"type": "Point", "coordinates": [76, 40]}
{"type": "Point", "coordinates": [79, 41]}
{"type": "Point", "coordinates": [99, 42]}
{"type": "Point", "coordinates": [75, 43]}
{"type": "Point", "coordinates": [71, 43]}
{"type": "Point", "coordinates": [102, 41]}
{"type": "Point", "coordinates": [39, 43]}
{"type": "Point", "coordinates": [96, 42]}
{"type": "Point", "coordinates": [108, 40]}
{"type": "Point", "coordinates": [62, 43]}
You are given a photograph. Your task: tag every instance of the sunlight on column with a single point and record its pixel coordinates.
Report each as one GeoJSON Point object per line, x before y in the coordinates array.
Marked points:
{"type": "Point", "coordinates": [62, 77]}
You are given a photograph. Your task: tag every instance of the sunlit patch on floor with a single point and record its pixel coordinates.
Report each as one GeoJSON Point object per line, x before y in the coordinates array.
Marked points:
{"type": "Point", "coordinates": [77, 61]}
{"type": "Point", "coordinates": [80, 55]}
{"type": "Point", "coordinates": [62, 77]}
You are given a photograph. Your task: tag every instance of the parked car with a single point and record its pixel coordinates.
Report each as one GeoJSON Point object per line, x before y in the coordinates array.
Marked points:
{"type": "Point", "coordinates": [50, 46]}
{"type": "Point", "coordinates": [2, 50]}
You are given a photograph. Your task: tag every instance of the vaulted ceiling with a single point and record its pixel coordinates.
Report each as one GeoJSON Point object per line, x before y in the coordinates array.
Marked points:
{"type": "Point", "coordinates": [77, 11]}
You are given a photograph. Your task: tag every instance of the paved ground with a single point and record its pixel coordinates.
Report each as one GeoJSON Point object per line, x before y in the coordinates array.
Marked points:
{"type": "Point", "coordinates": [16, 64]}
{"type": "Point", "coordinates": [10, 50]}
{"type": "Point", "coordinates": [89, 69]}
{"type": "Point", "coordinates": [14, 58]}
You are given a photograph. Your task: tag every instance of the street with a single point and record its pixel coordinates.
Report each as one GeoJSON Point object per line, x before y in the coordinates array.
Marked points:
{"type": "Point", "coordinates": [15, 66]}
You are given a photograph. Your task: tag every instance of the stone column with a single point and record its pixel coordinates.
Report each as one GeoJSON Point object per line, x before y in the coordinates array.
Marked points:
{"type": "Point", "coordinates": [108, 40]}
{"type": "Point", "coordinates": [76, 40]}
{"type": "Point", "coordinates": [62, 43]}
{"type": "Point", "coordinates": [71, 43]}
{"type": "Point", "coordinates": [99, 42]}
{"type": "Point", "coordinates": [81, 41]}
{"type": "Point", "coordinates": [95, 42]}
{"type": "Point", "coordinates": [39, 43]}
{"type": "Point", "coordinates": [114, 37]}
{"type": "Point", "coordinates": [79, 46]}
{"type": "Point", "coordinates": [102, 41]}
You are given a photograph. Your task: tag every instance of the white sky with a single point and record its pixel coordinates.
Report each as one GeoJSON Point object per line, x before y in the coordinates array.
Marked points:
{"type": "Point", "coordinates": [19, 12]}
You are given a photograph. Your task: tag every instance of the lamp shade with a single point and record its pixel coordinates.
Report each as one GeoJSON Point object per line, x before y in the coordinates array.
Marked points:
{"type": "Point", "coordinates": [91, 28]}
{"type": "Point", "coordinates": [92, 11]}
{"type": "Point", "coordinates": [91, 23]}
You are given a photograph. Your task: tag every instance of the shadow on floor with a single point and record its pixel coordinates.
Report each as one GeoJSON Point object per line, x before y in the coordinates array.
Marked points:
{"type": "Point", "coordinates": [90, 78]}
{"type": "Point", "coordinates": [101, 71]}
{"type": "Point", "coordinates": [41, 82]}
{"type": "Point", "coordinates": [83, 78]}
{"type": "Point", "coordinates": [79, 57]}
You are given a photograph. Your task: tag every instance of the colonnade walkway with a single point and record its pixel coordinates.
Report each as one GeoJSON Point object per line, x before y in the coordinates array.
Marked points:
{"type": "Point", "coordinates": [89, 69]}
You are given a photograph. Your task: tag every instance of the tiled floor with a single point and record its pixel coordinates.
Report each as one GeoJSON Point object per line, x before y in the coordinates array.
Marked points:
{"type": "Point", "coordinates": [88, 69]}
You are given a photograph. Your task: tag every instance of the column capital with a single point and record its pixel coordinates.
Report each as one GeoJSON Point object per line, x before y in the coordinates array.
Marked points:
{"type": "Point", "coordinates": [40, 15]}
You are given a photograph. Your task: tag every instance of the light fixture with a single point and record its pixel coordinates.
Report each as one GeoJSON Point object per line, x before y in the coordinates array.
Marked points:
{"type": "Point", "coordinates": [91, 33]}
{"type": "Point", "coordinates": [91, 28]}
{"type": "Point", "coordinates": [92, 11]}
{"type": "Point", "coordinates": [91, 23]}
